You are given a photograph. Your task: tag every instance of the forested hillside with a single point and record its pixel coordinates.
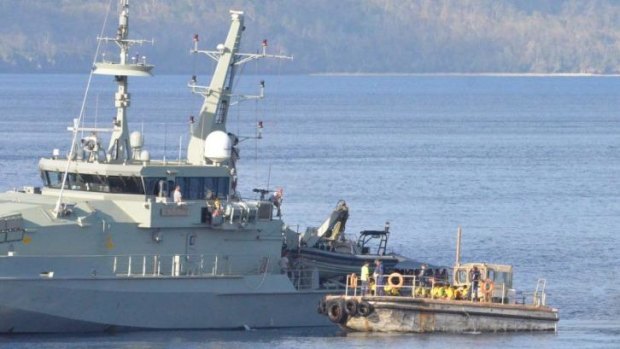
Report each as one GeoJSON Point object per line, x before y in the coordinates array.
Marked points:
{"type": "Point", "coordinates": [330, 36]}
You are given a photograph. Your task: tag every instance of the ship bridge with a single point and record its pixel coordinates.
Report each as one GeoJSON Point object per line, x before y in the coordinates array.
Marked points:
{"type": "Point", "coordinates": [157, 178]}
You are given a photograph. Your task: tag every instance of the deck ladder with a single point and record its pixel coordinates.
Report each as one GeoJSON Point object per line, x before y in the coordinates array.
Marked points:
{"type": "Point", "coordinates": [539, 294]}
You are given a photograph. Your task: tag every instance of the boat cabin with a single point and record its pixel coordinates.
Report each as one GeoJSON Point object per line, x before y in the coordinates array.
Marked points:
{"type": "Point", "coordinates": [499, 275]}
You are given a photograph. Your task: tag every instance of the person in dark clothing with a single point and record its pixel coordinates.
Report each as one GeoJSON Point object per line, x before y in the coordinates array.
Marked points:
{"type": "Point", "coordinates": [444, 275]}
{"type": "Point", "coordinates": [474, 277]}
{"type": "Point", "coordinates": [423, 275]}
{"type": "Point", "coordinates": [378, 275]}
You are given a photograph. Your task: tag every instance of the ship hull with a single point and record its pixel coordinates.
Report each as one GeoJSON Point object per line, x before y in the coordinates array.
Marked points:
{"type": "Point", "coordinates": [92, 305]}
{"type": "Point", "coordinates": [404, 314]}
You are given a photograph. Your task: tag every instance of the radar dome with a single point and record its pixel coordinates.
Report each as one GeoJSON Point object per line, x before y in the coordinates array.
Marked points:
{"type": "Point", "coordinates": [136, 140]}
{"type": "Point", "coordinates": [218, 146]}
{"type": "Point", "coordinates": [145, 156]}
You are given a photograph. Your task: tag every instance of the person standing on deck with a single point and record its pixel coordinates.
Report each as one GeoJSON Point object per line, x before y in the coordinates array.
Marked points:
{"type": "Point", "coordinates": [378, 275]}
{"type": "Point", "coordinates": [364, 277]}
{"type": "Point", "coordinates": [178, 197]}
{"type": "Point", "coordinates": [276, 199]}
{"type": "Point", "coordinates": [285, 264]}
{"type": "Point", "coordinates": [474, 276]}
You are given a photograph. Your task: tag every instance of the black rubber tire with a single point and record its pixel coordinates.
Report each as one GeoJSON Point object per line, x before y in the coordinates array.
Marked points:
{"type": "Point", "coordinates": [336, 313]}
{"type": "Point", "coordinates": [350, 307]}
{"type": "Point", "coordinates": [364, 309]}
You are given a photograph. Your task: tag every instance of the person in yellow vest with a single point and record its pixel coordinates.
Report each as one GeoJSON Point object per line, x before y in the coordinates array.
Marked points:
{"type": "Point", "coordinates": [450, 293]}
{"type": "Point", "coordinates": [464, 291]}
{"type": "Point", "coordinates": [364, 278]}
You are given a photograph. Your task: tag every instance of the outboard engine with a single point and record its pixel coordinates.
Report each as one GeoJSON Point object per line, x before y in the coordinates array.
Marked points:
{"type": "Point", "coordinates": [337, 221]}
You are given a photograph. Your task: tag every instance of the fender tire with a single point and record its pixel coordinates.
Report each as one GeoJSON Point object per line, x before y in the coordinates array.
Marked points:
{"type": "Point", "coordinates": [364, 309]}
{"type": "Point", "coordinates": [350, 307]}
{"type": "Point", "coordinates": [336, 312]}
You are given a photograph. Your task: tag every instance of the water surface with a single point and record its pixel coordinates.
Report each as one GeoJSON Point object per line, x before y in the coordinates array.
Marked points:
{"type": "Point", "coordinates": [528, 166]}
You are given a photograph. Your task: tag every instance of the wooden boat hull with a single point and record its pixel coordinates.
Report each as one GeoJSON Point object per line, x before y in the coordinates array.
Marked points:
{"type": "Point", "coordinates": [405, 314]}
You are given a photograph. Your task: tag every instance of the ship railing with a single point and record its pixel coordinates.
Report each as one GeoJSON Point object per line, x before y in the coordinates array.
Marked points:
{"type": "Point", "coordinates": [538, 298]}
{"type": "Point", "coordinates": [167, 266]}
{"type": "Point", "coordinates": [431, 288]}
{"type": "Point", "coordinates": [403, 285]}
{"type": "Point", "coordinates": [189, 265]}
{"type": "Point", "coordinates": [304, 278]}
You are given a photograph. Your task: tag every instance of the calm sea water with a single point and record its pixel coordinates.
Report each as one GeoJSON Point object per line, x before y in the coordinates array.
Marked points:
{"type": "Point", "coordinates": [529, 167]}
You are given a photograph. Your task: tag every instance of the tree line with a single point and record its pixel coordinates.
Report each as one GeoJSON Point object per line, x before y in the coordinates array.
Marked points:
{"type": "Point", "coordinates": [326, 36]}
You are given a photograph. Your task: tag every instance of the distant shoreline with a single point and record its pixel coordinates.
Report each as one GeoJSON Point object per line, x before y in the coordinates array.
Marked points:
{"type": "Point", "coordinates": [472, 74]}
{"type": "Point", "coordinates": [366, 74]}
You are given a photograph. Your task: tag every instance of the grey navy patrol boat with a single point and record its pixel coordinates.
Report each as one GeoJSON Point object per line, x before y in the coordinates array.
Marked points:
{"type": "Point", "coordinates": [105, 245]}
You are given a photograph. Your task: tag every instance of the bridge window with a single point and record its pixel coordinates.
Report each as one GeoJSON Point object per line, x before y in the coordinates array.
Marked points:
{"type": "Point", "coordinates": [192, 188]}
{"type": "Point", "coordinates": [94, 183]}
{"type": "Point", "coordinates": [158, 186]}
{"type": "Point", "coordinates": [502, 278]}
{"type": "Point", "coordinates": [199, 188]}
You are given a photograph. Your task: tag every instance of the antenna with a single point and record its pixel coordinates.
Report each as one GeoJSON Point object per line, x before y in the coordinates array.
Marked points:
{"type": "Point", "coordinates": [96, 109]}
{"type": "Point", "coordinates": [458, 246]}
{"type": "Point", "coordinates": [81, 117]}
{"type": "Point", "coordinates": [165, 140]}
{"type": "Point", "coordinates": [180, 145]}
{"type": "Point", "coordinates": [269, 176]}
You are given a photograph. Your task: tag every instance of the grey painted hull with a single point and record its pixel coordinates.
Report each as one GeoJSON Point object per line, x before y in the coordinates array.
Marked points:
{"type": "Point", "coordinates": [83, 305]}
{"type": "Point", "coordinates": [404, 314]}
{"type": "Point", "coordinates": [334, 264]}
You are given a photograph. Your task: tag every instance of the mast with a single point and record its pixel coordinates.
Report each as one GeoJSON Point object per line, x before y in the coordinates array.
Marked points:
{"type": "Point", "coordinates": [217, 96]}
{"type": "Point", "coordinates": [458, 247]}
{"type": "Point", "coordinates": [119, 149]}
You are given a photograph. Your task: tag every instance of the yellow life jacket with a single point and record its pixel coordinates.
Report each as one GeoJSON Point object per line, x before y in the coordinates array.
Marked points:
{"type": "Point", "coordinates": [450, 293]}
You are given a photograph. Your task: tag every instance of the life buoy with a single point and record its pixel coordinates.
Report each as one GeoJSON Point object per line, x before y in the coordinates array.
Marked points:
{"type": "Point", "coordinates": [350, 307]}
{"type": "Point", "coordinates": [353, 280]}
{"type": "Point", "coordinates": [335, 312]}
{"type": "Point", "coordinates": [364, 308]}
{"type": "Point", "coordinates": [487, 287]}
{"type": "Point", "coordinates": [400, 281]}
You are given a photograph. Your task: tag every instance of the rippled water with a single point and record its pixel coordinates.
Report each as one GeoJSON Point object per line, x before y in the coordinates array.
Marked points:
{"type": "Point", "coordinates": [528, 166]}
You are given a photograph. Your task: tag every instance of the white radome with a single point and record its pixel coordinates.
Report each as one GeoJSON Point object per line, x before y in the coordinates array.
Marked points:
{"type": "Point", "coordinates": [218, 146]}
{"type": "Point", "coordinates": [145, 155]}
{"type": "Point", "coordinates": [136, 140]}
